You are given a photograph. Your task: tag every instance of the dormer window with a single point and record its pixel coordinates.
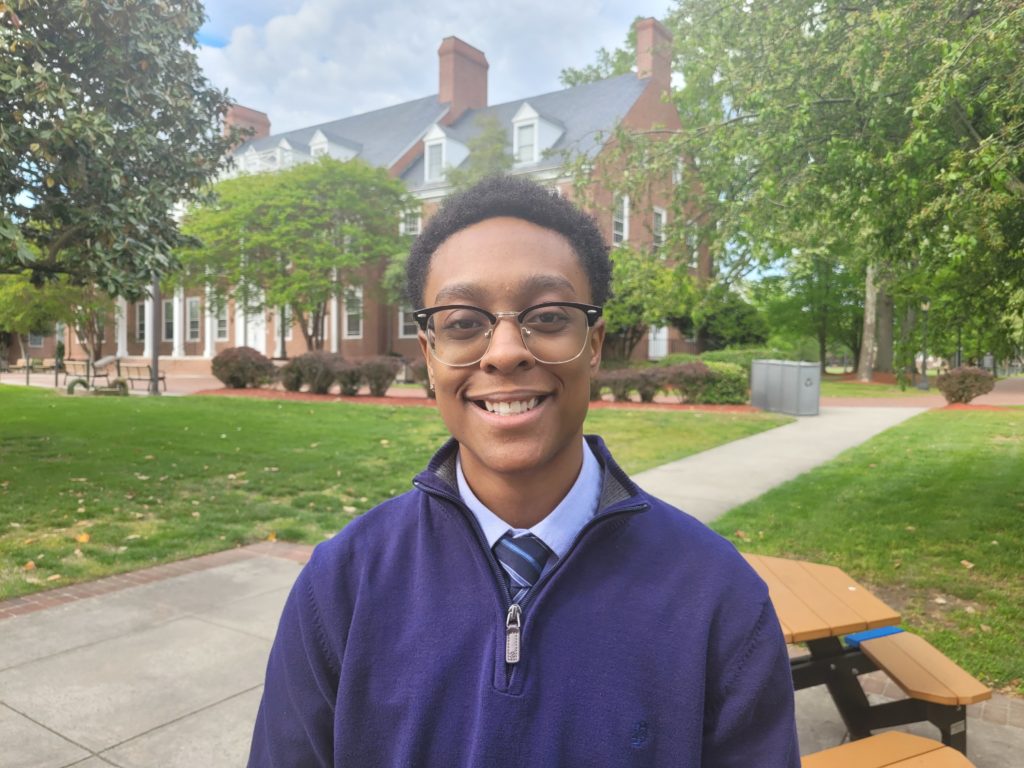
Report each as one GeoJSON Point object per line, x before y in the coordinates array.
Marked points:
{"type": "Point", "coordinates": [526, 143]}
{"type": "Point", "coordinates": [318, 151]}
{"type": "Point", "coordinates": [434, 160]}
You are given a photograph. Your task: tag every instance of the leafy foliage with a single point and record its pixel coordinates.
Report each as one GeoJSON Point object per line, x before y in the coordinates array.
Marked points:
{"type": "Point", "coordinates": [723, 318]}
{"type": "Point", "coordinates": [488, 154]}
{"type": "Point", "coordinates": [379, 373]}
{"type": "Point", "coordinates": [294, 238]}
{"type": "Point", "coordinates": [318, 370]}
{"type": "Point", "coordinates": [961, 385]}
{"type": "Point", "coordinates": [106, 123]}
{"type": "Point", "coordinates": [241, 367]}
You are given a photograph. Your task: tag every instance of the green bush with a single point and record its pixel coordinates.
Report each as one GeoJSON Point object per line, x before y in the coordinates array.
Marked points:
{"type": "Point", "coordinates": [621, 382]}
{"type": "Point", "coordinates": [688, 380]}
{"type": "Point", "coordinates": [379, 373]}
{"type": "Point", "coordinates": [290, 375]}
{"type": "Point", "coordinates": [728, 385]}
{"type": "Point", "coordinates": [649, 381]}
{"type": "Point", "coordinates": [744, 357]}
{"type": "Point", "coordinates": [961, 385]}
{"type": "Point", "coordinates": [595, 387]}
{"type": "Point", "coordinates": [319, 370]}
{"type": "Point", "coordinates": [349, 377]}
{"type": "Point", "coordinates": [676, 358]}
{"type": "Point", "coordinates": [241, 367]}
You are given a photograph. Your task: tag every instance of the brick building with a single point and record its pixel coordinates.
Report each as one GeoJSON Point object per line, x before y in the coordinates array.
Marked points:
{"type": "Point", "coordinates": [418, 141]}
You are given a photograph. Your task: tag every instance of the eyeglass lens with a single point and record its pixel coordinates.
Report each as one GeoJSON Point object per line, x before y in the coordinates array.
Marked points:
{"type": "Point", "coordinates": [553, 334]}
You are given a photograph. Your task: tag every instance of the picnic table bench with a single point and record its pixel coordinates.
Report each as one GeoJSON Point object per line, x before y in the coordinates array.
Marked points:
{"type": "Point", "coordinates": [132, 372]}
{"type": "Point", "coordinates": [817, 605]}
{"type": "Point", "coordinates": [79, 369]}
{"type": "Point", "coordinates": [892, 749]}
{"type": "Point", "coordinates": [35, 364]}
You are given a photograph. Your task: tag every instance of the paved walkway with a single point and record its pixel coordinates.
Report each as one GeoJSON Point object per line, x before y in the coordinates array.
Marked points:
{"type": "Point", "coordinates": [163, 668]}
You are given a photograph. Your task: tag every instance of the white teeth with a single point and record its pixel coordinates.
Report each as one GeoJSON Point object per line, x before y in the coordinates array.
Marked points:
{"type": "Point", "coordinates": [511, 409]}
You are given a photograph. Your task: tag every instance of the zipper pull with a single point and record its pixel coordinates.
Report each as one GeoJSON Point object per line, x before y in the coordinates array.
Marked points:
{"type": "Point", "coordinates": [513, 622]}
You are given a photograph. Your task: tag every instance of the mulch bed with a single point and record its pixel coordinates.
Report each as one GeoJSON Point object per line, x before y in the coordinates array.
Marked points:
{"type": "Point", "coordinates": [417, 400]}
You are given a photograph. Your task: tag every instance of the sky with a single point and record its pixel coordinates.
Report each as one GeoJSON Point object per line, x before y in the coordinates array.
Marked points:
{"type": "Point", "coordinates": [305, 62]}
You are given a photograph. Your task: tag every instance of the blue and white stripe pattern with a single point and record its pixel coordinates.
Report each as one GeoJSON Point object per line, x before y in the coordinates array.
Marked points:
{"type": "Point", "coordinates": [523, 559]}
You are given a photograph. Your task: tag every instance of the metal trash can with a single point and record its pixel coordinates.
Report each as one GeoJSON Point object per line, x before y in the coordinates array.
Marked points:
{"type": "Point", "coordinates": [785, 386]}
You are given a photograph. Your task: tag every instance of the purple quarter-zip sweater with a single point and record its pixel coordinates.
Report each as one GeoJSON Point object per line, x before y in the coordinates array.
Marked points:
{"type": "Point", "coordinates": [650, 643]}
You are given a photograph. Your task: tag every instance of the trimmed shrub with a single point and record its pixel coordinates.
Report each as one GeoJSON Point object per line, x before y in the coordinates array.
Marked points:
{"type": "Point", "coordinates": [744, 357]}
{"type": "Point", "coordinates": [379, 373]}
{"type": "Point", "coordinates": [961, 385]}
{"type": "Point", "coordinates": [318, 370]}
{"type": "Point", "coordinates": [241, 367]}
{"type": "Point", "coordinates": [728, 385]}
{"type": "Point", "coordinates": [676, 358]}
{"type": "Point", "coordinates": [290, 375]}
{"type": "Point", "coordinates": [595, 387]}
{"type": "Point", "coordinates": [688, 380]}
{"type": "Point", "coordinates": [649, 381]}
{"type": "Point", "coordinates": [621, 382]}
{"type": "Point", "coordinates": [422, 376]}
{"type": "Point", "coordinates": [349, 376]}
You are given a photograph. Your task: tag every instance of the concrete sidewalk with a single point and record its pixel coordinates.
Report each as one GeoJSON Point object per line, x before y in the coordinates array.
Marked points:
{"type": "Point", "coordinates": [163, 668]}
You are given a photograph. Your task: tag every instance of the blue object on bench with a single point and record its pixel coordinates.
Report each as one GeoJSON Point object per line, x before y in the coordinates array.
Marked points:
{"type": "Point", "coordinates": [854, 640]}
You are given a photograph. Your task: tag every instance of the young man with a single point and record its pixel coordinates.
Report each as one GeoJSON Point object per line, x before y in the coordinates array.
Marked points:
{"type": "Point", "coordinates": [525, 604]}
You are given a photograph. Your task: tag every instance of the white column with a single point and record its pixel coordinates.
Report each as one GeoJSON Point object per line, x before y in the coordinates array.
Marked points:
{"type": "Point", "coordinates": [210, 326]}
{"type": "Point", "coordinates": [179, 322]}
{"type": "Point", "coordinates": [150, 327]}
{"type": "Point", "coordinates": [278, 344]}
{"type": "Point", "coordinates": [335, 317]}
{"type": "Point", "coordinates": [122, 328]}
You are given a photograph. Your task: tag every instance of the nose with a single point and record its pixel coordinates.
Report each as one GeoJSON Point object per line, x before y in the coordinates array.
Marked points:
{"type": "Point", "coordinates": [506, 350]}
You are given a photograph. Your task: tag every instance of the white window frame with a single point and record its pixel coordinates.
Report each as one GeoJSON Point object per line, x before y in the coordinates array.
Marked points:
{"type": "Point", "coordinates": [35, 340]}
{"type": "Point", "coordinates": [192, 314]}
{"type": "Point", "coordinates": [659, 218]}
{"type": "Point", "coordinates": [517, 150]}
{"type": "Point", "coordinates": [167, 315]}
{"type": "Point", "coordinates": [431, 174]}
{"type": "Point", "coordinates": [318, 151]}
{"type": "Point", "coordinates": [403, 223]}
{"type": "Point", "coordinates": [140, 321]}
{"type": "Point", "coordinates": [407, 321]}
{"type": "Point", "coordinates": [223, 327]}
{"type": "Point", "coordinates": [693, 249]}
{"type": "Point", "coordinates": [620, 217]}
{"type": "Point", "coordinates": [353, 292]}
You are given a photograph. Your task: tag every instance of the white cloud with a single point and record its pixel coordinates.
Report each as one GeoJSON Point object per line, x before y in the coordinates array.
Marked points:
{"type": "Point", "coordinates": [308, 61]}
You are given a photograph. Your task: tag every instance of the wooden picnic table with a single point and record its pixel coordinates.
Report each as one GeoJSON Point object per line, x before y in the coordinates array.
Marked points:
{"type": "Point", "coordinates": [819, 604]}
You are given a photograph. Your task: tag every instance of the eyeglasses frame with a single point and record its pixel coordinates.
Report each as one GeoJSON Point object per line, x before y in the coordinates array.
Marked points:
{"type": "Point", "coordinates": [422, 317]}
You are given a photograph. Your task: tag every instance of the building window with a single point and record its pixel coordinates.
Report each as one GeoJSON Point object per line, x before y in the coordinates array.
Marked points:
{"type": "Point", "coordinates": [318, 150]}
{"type": "Point", "coordinates": [35, 339]}
{"type": "Point", "coordinates": [411, 223]}
{"type": "Point", "coordinates": [620, 219]}
{"type": "Point", "coordinates": [407, 325]}
{"type": "Point", "coordinates": [435, 162]}
{"type": "Point", "coordinates": [658, 229]}
{"type": "Point", "coordinates": [285, 316]}
{"type": "Point", "coordinates": [140, 321]}
{"type": "Point", "coordinates": [354, 312]}
{"type": "Point", "coordinates": [168, 319]}
{"type": "Point", "coordinates": [192, 307]}
{"type": "Point", "coordinates": [222, 322]}
{"type": "Point", "coordinates": [526, 143]}
{"type": "Point", "coordinates": [692, 250]}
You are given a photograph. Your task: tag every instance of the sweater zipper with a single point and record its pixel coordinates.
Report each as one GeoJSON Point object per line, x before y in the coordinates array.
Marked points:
{"type": "Point", "coordinates": [514, 612]}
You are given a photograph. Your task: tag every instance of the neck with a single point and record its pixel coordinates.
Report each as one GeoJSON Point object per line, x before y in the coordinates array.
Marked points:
{"type": "Point", "coordinates": [523, 499]}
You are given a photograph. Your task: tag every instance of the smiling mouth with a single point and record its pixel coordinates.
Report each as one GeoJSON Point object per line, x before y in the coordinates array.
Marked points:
{"type": "Point", "coordinates": [505, 408]}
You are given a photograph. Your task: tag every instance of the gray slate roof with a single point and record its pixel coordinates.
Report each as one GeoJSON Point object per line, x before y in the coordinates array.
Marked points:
{"type": "Point", "coordinates": [585, 112]}
{"type": "Point", "coordinates": [380, 137]}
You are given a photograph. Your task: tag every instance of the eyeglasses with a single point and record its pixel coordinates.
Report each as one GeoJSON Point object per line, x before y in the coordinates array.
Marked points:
{"type": "Point", "coordinates": [554, 332]}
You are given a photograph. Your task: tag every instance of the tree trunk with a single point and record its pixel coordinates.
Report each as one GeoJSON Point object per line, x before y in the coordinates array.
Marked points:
{"type": "Point", "coordinates": [908, 347]}
{"type": "Point", "coordinates": [884, 359]}
{"type": "Point", "coordinates": [866, 363]}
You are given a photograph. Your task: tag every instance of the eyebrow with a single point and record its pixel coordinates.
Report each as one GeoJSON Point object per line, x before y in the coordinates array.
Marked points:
{"type": "Point", "coordinates": [532, 284]}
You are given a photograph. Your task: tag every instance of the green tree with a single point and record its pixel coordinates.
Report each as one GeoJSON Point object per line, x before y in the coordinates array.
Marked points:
{"type": "Point", "coordinates": [722, 318]}
{"type": "Point", "coordinates": [26, 308]}
{"type": "Point", "coordinates": [294, 238]}
{"type": "Point", "coordinates": [645, 292]}
{"type": "Point", "coordinates": [106, 122]}
{"type": "Point", "coordinates": [488, 154]}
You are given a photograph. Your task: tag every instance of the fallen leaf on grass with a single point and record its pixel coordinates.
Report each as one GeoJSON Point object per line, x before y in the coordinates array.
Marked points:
{"type": "Point", "coordinates": [54, 577]}
{"type": "Point", "coordinates": [83, 537]}
{"type": "Point", "coordinates": [348, 510]}
{"type": "Point", "coordinates": [385, 443]}
{"type": "Point", "coordinates": [271, 536]}
{"type": "Point", "coordinates": [30, 565]}
{"type": "Point", "coordinates": [149, 457]}
{"type": "Point", "coordinates": [911, 528]}
{"type": "Point", "coordinates": [271, 469]}
{"type": "Point", "coordinates": [940, 601]}
{"type": "Point", "coordinates": [141, 477]}
{"type": "Point", "coordinates": [78, 552]}
{"type": "Point", "coordinates": [15, 525]}
{"type": "Point", "coordinates": [985, 628]}
{"type": "Point", "coordinates": [195, 514]}
{"type": "Point", "coordinates": [132, 537]}
{"type": "Point", "coordinates": [79, 480]}
{"type": "Point", "coordinates": [742, 535]}
{"type": "Point", "coordinates": [970, 609]}
{"type": "Point", "coordinates": [967, 564]}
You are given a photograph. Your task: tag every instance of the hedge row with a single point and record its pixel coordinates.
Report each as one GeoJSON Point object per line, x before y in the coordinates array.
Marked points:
{"type": "Point", "coordinates": [242, 367]}
{"type": "Point", "coordinates": [694, 381]}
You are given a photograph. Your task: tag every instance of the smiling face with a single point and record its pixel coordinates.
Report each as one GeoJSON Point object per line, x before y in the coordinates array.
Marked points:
{"type": "Point", "coordinates": [512, 416]}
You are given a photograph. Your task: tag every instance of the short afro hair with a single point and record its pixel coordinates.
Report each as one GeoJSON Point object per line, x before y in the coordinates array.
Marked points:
{"type": "Point", "coordinates": [519, 198]}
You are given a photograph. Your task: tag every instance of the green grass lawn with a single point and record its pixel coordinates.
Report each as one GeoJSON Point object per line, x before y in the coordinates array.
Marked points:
{"type": "Point", "coordinates": [93, 486]}
{"type": "Point", "coordinates": [857, 389]}
{"type": "Point", "coordinates": [931, 515]}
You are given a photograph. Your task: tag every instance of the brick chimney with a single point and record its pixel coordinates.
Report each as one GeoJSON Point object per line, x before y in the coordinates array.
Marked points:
{"type": "Point", "coordinates": [653, 51]}
{"type": "Point", "coordinates": [463, 78]}
{"type": "Point", "coordinates": [243, 117]}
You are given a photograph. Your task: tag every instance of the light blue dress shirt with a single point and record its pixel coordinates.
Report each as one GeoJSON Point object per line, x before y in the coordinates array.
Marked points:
{"type": "Point", "coordinates": [559, 528]}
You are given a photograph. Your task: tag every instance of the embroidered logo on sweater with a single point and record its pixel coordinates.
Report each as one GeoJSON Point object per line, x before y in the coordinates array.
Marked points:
{"type": "Point", "coordinates": [641, 734]}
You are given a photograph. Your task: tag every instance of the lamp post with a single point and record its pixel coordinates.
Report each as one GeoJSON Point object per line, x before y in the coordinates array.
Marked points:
{"type": "Point", "coordinates": [923, 382]}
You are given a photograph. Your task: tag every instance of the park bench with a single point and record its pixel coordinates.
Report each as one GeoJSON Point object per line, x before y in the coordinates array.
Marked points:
{"type": "Point", "coordinates": [132, 372]}
{"type": "Point", "coordinates": [938, 687]}
{"type": "Point", "coordinates": [32, 363]}
{"type": "Point", "coordinates": [78, 369]}
{"type": "Point", "coordinates": [892, 749]}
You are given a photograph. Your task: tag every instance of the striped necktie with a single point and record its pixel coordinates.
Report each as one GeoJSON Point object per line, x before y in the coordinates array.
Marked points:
{"type": "Point", "coordinates": [522, 559]}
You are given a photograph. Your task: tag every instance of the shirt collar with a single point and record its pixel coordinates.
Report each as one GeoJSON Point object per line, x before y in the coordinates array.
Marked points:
{"type": "Point", "coordinates": [557, 529]}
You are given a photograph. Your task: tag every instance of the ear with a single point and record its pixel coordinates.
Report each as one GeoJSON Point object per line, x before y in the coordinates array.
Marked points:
{"type": "Point", "coordinates": [596, 344]}
{"type": "Point", "coordinates": [425, 351]}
